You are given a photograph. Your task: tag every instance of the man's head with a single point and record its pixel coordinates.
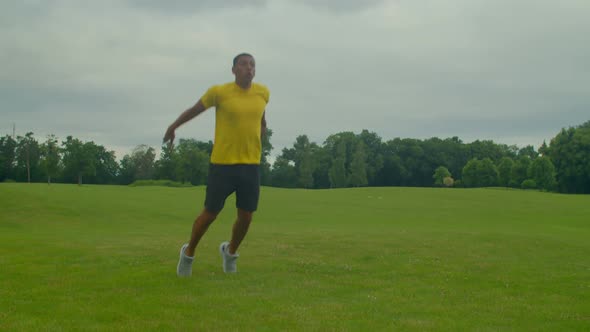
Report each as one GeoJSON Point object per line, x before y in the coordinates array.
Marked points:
{"type": "Point", "coordinates": [244, 68]}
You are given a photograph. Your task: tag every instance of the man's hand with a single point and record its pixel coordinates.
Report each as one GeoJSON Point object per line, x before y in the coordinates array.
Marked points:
{"type": "Point", "coordinates": [190, 113]}
{"type": "Point", "coordinates": [169, 136]}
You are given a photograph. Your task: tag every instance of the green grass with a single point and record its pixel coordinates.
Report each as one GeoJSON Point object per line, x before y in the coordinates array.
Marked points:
{"type": "Point", "coordinates": [406, 259]}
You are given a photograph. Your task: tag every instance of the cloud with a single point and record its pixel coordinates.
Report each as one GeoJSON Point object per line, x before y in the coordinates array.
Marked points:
{"type": "Point", "coordinates": [339, 6]}
{"type": "Point", "coordinates": [119, 72]}
{"type": "Point", "coordinates": [189, 7]}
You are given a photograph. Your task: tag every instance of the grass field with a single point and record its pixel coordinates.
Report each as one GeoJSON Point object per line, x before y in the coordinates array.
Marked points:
{"type": "Point", "coordinates": [371, 259]}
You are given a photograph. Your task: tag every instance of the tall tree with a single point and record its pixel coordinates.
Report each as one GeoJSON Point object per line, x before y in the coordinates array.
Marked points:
{"type": "Point", "coordinates": [487, 173]}
{"type": "Point", "coordinates": [265, 166]}
{"type": "Point", "coordinates": [570, 153]}
{"type": "Point", "coordinates": [192, 163]}
{"type": "Point", "coordinates": [528, 151]}
{"type": "Point", "coordinates": [543, 172]}
{"type": "Point", "coordinates": [165, 167]}
{"type": "Point", "coordinates": [28, 154]}
{"type": "Point", "coordinates": [143, 157]}
{"type": "Point", "coordinates": [7, 158]}
{"type": "Point", "coordinates": [79, 159]}
{"type": "Point", "coordinates": [504, 171]}
{"type": "Point", "coordinates": [50, 157]}
{"type": "Point", "coordinates": [470, 173]}
{"type": "Point", "coordinates": [304, 163]}
{"type": "Point", "coordinates": [283, 173]}
{"type": "Point", "coordinates": [519, 171]}
{"type": "Point", "coordinates": [374, 155]}
{"type": "Point", "coordinates": [107, 167]}
{"type": "Point", "coordinates": [322, 162]}
{"type": "Point", "coordinates": [358, 166]}
{"type": "Point", "coordinates": [337, 171]}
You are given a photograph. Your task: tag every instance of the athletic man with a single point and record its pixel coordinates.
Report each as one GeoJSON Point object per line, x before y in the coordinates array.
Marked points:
{"type": "Point", "coordinates": [235, 159]}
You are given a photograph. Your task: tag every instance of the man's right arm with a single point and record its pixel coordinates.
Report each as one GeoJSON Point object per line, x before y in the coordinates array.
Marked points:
{"type": "Point", "coordinates": [186, 116]}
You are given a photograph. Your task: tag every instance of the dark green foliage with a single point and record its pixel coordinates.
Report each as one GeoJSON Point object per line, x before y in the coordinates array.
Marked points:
{"type": "Point", "coordinates": [345, 159]}
{"type": "Point", "coordinates": [529, 184]}
{"type": "Point", "coordinates": [570, 153]}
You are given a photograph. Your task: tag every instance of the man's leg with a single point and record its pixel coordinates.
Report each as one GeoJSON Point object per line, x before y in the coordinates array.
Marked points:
{"type": "Point", "coordinates": [228, 249]}
{"type": "Point", "coordinates": [200, 226]}
{"type": "Point", "coordinates": [240, 229]}
{"type": "Point", "coordinates": [187, 251]}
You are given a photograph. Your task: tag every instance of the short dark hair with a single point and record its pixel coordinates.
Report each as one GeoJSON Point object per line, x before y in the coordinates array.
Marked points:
{"type": "Point", "coordinates": [237, 57]}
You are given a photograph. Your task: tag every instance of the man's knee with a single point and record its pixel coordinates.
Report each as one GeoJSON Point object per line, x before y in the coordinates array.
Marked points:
{"type": "Point", "coordinates": [245, 216]}
{"type": "Point", "coordinates": [208, 216]}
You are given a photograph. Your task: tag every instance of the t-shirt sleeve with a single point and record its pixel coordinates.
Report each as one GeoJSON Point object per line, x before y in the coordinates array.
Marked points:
{"type": "Point", "coordinates": [266, 94]}
{"type": "Point", "coordinates": [209, 99]}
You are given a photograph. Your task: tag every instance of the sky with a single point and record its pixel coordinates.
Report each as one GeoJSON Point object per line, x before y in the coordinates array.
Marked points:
{"type": "Point", "coordinates": [119, 72]}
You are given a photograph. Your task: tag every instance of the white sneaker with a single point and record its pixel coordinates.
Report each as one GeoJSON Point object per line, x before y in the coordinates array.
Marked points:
{"type": "Point", "coordinates": [185, 263]}
{"type": "Point", "coordinates": [229, 260]}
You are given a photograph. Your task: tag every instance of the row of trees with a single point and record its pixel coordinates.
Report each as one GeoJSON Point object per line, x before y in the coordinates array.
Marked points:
{"type": "Point", "coordinates": [24, 159]}
{"type": "Point", "coordinates": [344, 159]}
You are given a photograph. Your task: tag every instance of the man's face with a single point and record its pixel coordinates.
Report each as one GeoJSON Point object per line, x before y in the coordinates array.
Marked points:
{"type": "Point", "coordinates": [245, 68]}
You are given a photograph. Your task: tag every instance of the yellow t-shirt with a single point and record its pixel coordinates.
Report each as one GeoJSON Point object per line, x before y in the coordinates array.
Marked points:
{"type": "Point", "coordinates": [238, 116]}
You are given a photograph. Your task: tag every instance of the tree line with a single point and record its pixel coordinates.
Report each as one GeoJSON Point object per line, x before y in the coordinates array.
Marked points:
{"type": "Point", "coordinates": [343, 160]}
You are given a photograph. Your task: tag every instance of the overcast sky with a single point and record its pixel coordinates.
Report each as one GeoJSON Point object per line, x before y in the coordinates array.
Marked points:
{"type": "Point", "coordinates": [118, 72]}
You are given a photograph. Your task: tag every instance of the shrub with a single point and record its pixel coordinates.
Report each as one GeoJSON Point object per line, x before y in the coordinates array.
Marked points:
{"type": "Point", "coordinates": [529, 184]}
{"type": "Point", "coordinates": [163, 183]}
{"type": "Point", "coordinates": [448, 181]}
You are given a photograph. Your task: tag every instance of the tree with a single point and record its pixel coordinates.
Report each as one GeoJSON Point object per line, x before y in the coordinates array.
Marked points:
{"type": "Point", "coordinates": [480, 173]}
{"type": "Point", "coordinates": [393, 171]}
{"type": "Point", "coordinates": [504, 171]}
{"type": "Point", "coordinates": [470, 176]}
{"type": "Point", "coordinates": [304, 163]}
{"type": "Point", "coordinates": [322, 159]}
{"type": "Point", "coordinates": [542, 172]}
{"type": "Point", "coordinates": [358, 166]}
{"type": "Point", "coordinates": [487, 173]}
{"type": "Point", "coordinates": [528, 151]}
{"type": "Point", "coordinates": [265, 167]}
{"type": "Point", "coordinates": [374, 160]}
{"type": "Point", "coordinates": [489, 149]}
{"type": "Point", "coordinates": [544, 149]}
{"type": "Point", "coordinates": [192, 162]}
{"type": "Point", "coordinates": [7, 158]}
{"type": "Point", "coordinates": [440, 174]}
{"type": "Point", "coordinates": [27, 157]}
{"type": "Point", "coordinates": [139, 165]}
{"type": "Point", "coordinates": [78, 159]}
{"type": "Point", "coordinates": [165, 167]}
{"type": "Point", "coordinates": [143, 157]}
{"type": "Point", "coordinates": [570, 153]}
{"type": "Point", "coordinates": [519, 172]}
{"type": "Point", "coordinates": [337, 171]}
{"type": "Point", "coordinates": [50, 157]}
{"type": "Point", "coordinates": [283, 173]}
{"type": "Point", "coordinates": [106, 166]}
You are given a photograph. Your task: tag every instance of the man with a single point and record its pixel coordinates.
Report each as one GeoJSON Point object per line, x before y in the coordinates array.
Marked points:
{"type": "Point", "coordinates": [235, 160]}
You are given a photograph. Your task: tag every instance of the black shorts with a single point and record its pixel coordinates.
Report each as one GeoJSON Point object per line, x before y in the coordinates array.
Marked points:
{"type": "Point", "coordinates": [223, 180]}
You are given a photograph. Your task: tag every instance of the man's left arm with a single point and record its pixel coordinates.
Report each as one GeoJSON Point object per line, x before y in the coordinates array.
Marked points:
{"type": "Point", "coordinates": [263, 126]}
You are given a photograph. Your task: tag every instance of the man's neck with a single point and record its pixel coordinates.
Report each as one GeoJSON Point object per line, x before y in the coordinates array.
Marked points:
{"type": "Point", "coordinates": [244, 85]}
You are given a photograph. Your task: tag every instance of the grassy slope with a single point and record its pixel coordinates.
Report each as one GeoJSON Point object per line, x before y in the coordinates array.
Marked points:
{"type": "Point", "coordinates": [104, 257]}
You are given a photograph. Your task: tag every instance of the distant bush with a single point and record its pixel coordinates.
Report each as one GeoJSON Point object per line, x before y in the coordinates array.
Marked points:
{"type": "Point", "coordinates": [529, 184]}
{"type": "Point", "coordinates": [458, 184]}
{"type": "Point", "coordinates": [448, 181]}
{"type": "Point", "coordinates": [162, 183]}
{"type": "Point", "coordinates": [9, 181]}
